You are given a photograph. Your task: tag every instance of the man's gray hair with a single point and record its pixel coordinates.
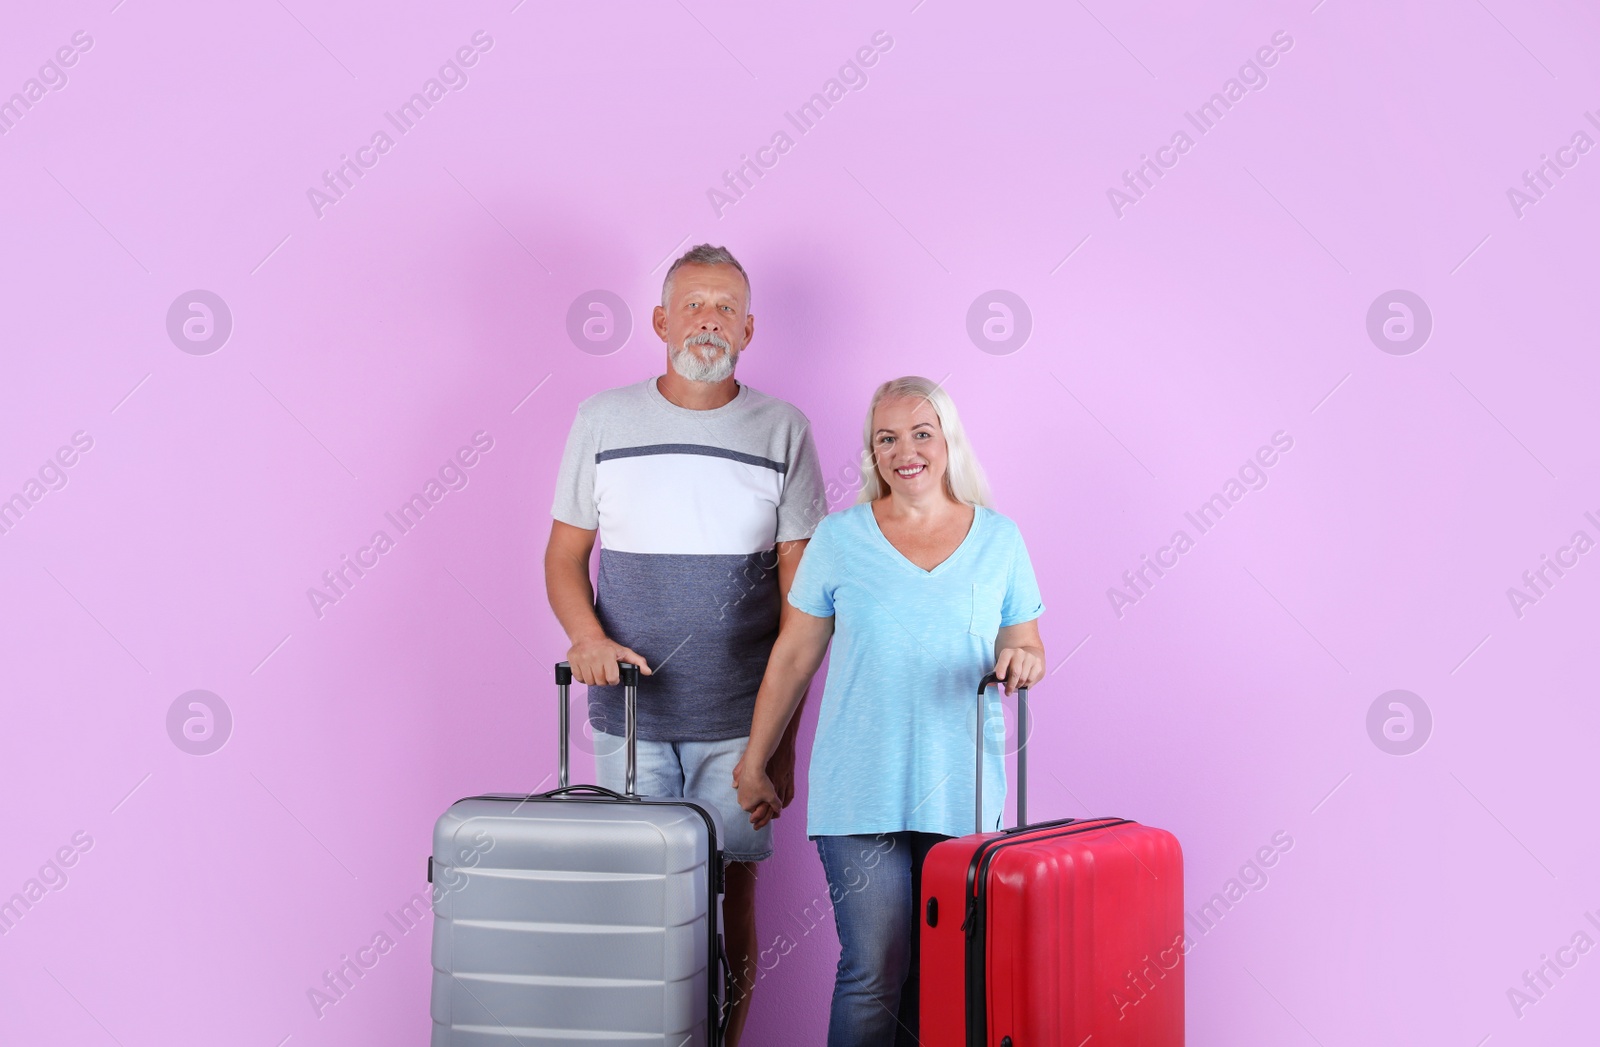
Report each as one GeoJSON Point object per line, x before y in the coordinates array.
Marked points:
{"type": "Point", "coordinates": [704, 254]}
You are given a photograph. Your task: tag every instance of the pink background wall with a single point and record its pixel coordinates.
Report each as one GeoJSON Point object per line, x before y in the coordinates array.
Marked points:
{"type": "Point", "coordinates": [1171, 335]}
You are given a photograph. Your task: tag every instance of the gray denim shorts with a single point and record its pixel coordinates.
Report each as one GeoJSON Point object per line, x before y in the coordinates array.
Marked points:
{"type": "Point", "coordinates": [699, 771]}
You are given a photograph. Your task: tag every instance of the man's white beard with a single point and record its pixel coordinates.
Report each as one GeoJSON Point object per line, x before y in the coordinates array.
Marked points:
{"type": "Point", "coordinates": [690, 366]}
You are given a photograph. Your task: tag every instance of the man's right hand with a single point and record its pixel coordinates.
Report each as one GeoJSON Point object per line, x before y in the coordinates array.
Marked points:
{"type": "Point", "coordinates": [595, 661]}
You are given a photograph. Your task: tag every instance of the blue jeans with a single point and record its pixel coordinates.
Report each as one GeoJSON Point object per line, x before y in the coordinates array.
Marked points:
{"type": "Point", "coordinates": [875, 883]}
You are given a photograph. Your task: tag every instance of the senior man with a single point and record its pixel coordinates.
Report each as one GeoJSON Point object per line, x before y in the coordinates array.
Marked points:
{"type": "Point", "coordinates": [703, 493]}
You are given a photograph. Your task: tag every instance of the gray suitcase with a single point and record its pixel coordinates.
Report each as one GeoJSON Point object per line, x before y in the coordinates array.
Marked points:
{"type": "Point", "coordinates": [578, 916]}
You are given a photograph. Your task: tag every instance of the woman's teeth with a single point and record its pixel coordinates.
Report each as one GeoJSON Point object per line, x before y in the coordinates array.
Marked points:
{"type": "Point", "coordinates": [911, 470]}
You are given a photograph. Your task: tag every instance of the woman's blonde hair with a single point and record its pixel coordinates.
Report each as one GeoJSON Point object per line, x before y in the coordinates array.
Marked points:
{"type": "Point", "coordinates": [963, 476]}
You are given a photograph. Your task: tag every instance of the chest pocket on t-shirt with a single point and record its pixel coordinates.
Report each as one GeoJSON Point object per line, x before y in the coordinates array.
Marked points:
{"type": "Point", "coordinates": [986, 603]}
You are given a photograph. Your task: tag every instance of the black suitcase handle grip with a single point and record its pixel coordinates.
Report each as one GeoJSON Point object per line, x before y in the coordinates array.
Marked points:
{"type": "Point", "coordinates": [990, 679]}
{"type": "Point", "coordinates": [596, 789]}
{"type": "Point", "coordinates": [564, 673]}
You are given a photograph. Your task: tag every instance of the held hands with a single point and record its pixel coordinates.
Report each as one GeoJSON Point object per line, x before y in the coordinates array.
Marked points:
{"type": "Point", "coordinates": [1019, 667]}
{"type": "Point", "coordinates": [595, 661]}
{"type": "Point", "coordinates": [759, 795]}
{"type": "Point", "coordinates": [780, 771]}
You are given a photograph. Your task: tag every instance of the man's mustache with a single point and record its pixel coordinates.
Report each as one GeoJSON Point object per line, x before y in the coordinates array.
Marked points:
{"type": "Point", "coordinates": [706, 338]}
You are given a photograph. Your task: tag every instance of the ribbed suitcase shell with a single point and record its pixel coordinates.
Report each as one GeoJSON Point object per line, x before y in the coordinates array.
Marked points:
{"type": "Point", "coordinates": [1054, 934]}
{"type": "Point", "coordinates": [586, 920]}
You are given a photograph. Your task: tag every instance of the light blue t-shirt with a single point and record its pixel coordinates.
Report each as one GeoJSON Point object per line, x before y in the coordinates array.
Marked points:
{"type": "Point", "coordinates": [896, 743]}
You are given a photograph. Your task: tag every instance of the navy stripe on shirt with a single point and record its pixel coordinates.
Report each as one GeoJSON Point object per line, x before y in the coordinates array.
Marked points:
{"type": "Point", "coordinates": [709, 452]}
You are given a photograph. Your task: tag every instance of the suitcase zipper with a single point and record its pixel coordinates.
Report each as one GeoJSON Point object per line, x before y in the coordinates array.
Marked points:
{"type": "Point", "coordinates": [969, 924]}
{"type": "Point", "coordinates": [974, 924]}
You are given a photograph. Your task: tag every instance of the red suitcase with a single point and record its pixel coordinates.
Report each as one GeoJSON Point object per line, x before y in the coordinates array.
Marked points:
{"type": "Point", "coordinates": [1052, 934]}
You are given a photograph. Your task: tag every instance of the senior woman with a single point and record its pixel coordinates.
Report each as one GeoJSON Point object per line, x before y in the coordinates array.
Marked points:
{"type": "Point", "coordinates": [923, 589]}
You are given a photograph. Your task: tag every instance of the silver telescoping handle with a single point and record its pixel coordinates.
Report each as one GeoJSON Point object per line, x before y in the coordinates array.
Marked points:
{"type": "Point", "coordinates": [1022, 752]}
{"type": "Point", "coordinates": [630, 698]}
{"type": "Point", "coordinates": [564, 688]}
{"type": "Point", "coordinates": [630, 701]}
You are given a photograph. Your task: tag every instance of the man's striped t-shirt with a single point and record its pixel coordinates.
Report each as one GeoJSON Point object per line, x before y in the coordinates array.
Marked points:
{"type": "Point", "coordinates": [689, 506]}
